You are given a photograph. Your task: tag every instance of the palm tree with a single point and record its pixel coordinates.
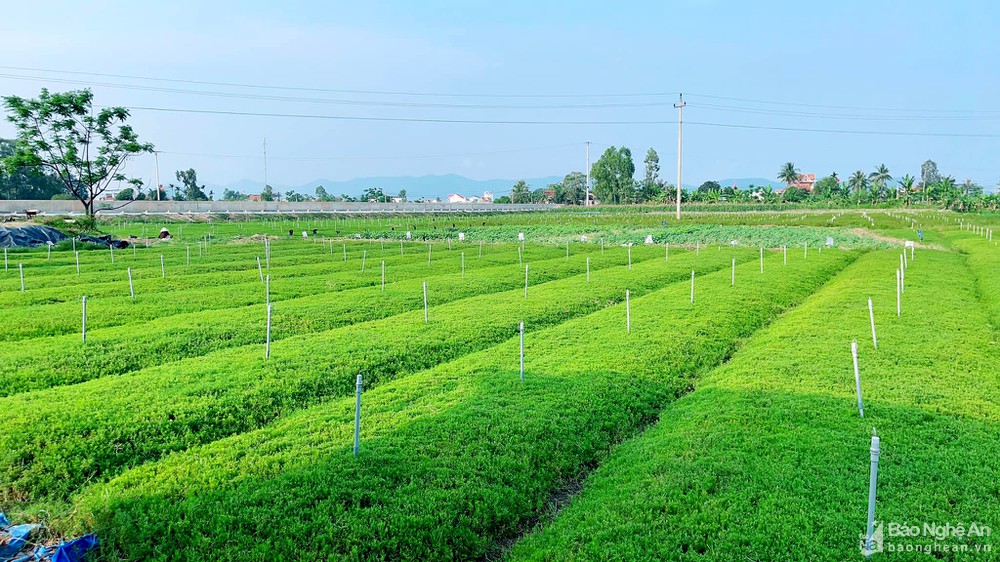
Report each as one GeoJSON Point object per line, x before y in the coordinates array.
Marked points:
{"type": "Point", "coordinates": [520, 193]}
{"type": "Point", "coordinates": [857, 181]}
{"type": "Point", "coordinates": [789, 174]}
{"type": "Point", "coordinates": [880, 177]}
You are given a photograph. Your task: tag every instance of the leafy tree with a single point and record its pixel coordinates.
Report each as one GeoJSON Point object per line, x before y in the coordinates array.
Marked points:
{"type": "Point", "coordinates": [929, 173]}
{"type": "Point", "coordinates": [22, 182]}
{"type": "Point", "coordinates": [192, 191]}
{"type": "Point", "coordinates": [793, 194]}
{"type": "Point", "coordinates": [612, 174]}
{"type": "Point", "coordinates": [710, 185]}
{"type": "Point", "coordinates": [502, 200]}
{"type": "Point", "coordinates": [402, 195]}
{"type": "Point", "coordinates": [374, 194]}
{"type": "Point", "coordinates": [651, 186]}
{"type": "Point", "coordinates": [520, 193]}
{"type": "Point", "coordinates": [60, 132]}
{"type": "Point", "coordinates": [573, 189]}
{"type": "Point", "coordinates": [294, 197]}
{"type": "Point", "coordinates": [267, 194]}
{"type": "Point", "coordinates": [127, 194]}
{"type": "Point", "coordinates": [232, 195]}
{"type": "Point", "coordinates": [321, 194]}
{"type": "Point", "coordinates": [788, 174]}
{"type": "Point", "coordinates": [828, 187]}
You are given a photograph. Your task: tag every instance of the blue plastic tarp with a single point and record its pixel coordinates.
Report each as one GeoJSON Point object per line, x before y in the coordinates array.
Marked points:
{"type": "Point", "coordinates": [18, 548]}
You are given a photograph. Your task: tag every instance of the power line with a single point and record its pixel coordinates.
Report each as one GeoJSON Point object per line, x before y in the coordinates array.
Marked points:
{"type": "Point", "coordinates": [393, 157]}
{"type": "Point", "coordinates": [781, 112]}
{"type": "Point", "coordinates": [337, 91]}
{"type": "Point", "coordinates": [351, 102]}
{"type": "Point", "coordinates": [824, 106]}
{"type": "Point", "coordinates": [550, 122]}
{"type": "Point", "coordinates": [481, 95]}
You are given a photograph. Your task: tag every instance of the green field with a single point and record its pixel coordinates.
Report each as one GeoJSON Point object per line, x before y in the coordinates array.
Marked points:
{"type": "Point", "coordinates": [713, 419]}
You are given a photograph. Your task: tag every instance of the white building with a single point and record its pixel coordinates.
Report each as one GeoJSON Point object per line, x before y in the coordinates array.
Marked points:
{"type": "Point", "coordinates": [456, 198]}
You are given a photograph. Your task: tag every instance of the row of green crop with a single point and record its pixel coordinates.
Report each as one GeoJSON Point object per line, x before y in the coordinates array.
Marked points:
{"type": "Point", "coordinates": [41, 363]}
{"type": "Point", "coordinates": [449, 225]}
{"type": "Point", "coordinates": [95, 429]}
{"type": "Point", "coordinates": [769, 459]}
{"type": "Point", "coordinates": [64, 315]}
{"type": "Point", "coordinates": [684, 235]}
{"type": "Point", "coordinates": [453, 460]}
{"type": "Point", "coordinates": [982, 256]}
{"type": "Point", "coordinates": [43, 274]}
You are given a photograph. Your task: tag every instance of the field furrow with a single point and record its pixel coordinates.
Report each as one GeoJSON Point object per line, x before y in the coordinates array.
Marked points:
{"type": "Point", "coordinates": [120, 422]}
{"type": "Point", "coordinates": [769, 458]}
{"type": "Point", "coordinates": [452, 458]}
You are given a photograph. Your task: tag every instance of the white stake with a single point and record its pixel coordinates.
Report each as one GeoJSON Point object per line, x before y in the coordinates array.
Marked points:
{"type": "Point", "coordinates": [525, 280]}
{"type": "Point", "coordinates": [49, 255]}
{"type": "Point", "coordinates": [906, 262]}
{"type": "Point", "coordinates": [383, 275]}
{"type": "Point", "coordinates": [267, 290]}
{"type": "Point", "coordinates": [260, 269]}
{"type": "Point", "coordinates": [131, 290]}
{"type": "Point", "coordinates": [902, 275]}
{"type": "Point", "coordinates": [588, 269]}
{"type": "Point", "coordinates": [75, 252]}
{"type": "Point", "coordinates": [872, 485]}
{"type": "Point", "coordinates": [84, 323]}
{"type": "Point", "coordinates": [357, 417]}
{"type": "Point", "coordinates": [784, 250]}
{"type": "Point", "coordinates": [20, 268]}
{"type": "Point", "coordinates": [364, 257]}
{"type": "Point", "coordinates": [692, 286]}
{"type": "Point", "coordinates": [805, 252]}
{"type": "Point", "coordinates": [267, 340]}
{"type": "Point", "coordinates": [480, 248]}
{"type": "Point", "coordinates": [521, 329]}
{"type": "Point", "coordinates": [666, 252]}
{"type": "Point", "coordinates": [871, 315]}
{"type": "Point", "coordinates": [520, 260]}
{"type": "Point", "coordinates": [899, 290]}
{"type": "Point", "coordinates": [857, 376]}
{"type": "Point", "coordinates": [628, 313]}
{"type": "Point", "coordinates": [345, 252]}
{"type": "Point", "coordinates": [911, 250]}
{"type": "Point", "coordinates": [733, 283]}
{"type": "Point", "coordinates": [425, 302]}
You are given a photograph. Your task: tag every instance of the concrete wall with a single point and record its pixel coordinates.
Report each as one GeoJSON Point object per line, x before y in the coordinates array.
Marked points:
{"type": "Point", "coordinates": [9, 207]}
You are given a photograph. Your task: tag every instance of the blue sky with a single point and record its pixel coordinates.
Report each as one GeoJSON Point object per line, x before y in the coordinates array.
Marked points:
{"type": "Point", "coordinates": [898, 67]}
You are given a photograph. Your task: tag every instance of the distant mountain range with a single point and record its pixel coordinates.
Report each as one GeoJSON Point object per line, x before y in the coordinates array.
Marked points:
{"type": "Point", "coordinates": [429, 187]}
